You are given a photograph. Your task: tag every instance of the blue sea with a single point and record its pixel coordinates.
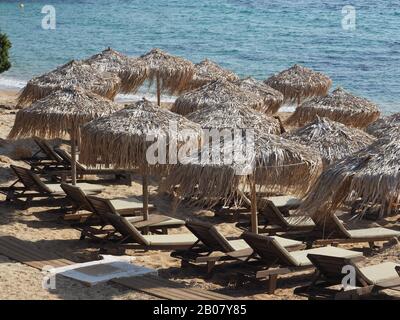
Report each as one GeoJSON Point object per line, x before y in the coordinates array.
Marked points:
{"type": "Point", "coordinates": [251, 37]}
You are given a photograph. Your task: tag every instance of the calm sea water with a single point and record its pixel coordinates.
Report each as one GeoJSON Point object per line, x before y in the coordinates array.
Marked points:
{"type": "Point", "coordinates": [251, 37]}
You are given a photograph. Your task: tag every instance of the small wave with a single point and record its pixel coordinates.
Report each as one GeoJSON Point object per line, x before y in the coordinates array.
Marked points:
{"type": "Point", "coordinates": [11, 83]}
{"type": "Point", "coordinates": [139, 96]}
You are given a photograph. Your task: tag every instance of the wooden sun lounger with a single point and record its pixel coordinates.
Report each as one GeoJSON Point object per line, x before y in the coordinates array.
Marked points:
{"type": "Point", "coordinates": [29, 186]}
{"type": "Point", "coordinates": [127, 206]}
{"type": "Point", "coordinates": [273, 260]}
{"type": "Point", "coordinates": [82, 170]}
{"type": "Point", "coordinates": [130, 207]}
{"type": "Point", "coordinates": [332, 231]}
{"type": "Point", "coordinates": [126, 233]}
{"type": "Point", "coordinates": [214, 247]}
{"type": "Point", "coordinates": [368, 280]}
{"type": "Point", "coordinates": [49, 161]}
{"type": "Point", "coordinates": [276, 221]}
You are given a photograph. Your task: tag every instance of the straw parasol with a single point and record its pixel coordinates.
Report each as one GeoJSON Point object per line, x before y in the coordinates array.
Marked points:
{"type": "Point", "coordinates": [333, 140]}
{"type": "Point", "coordinates": [131, 71]}
{"type": "Point", "coordinates": [298, 82]}
{"type": "Point", "coordinates": [229, 115]}
{"type": "Point", "coordinates": [60, 113]}
{"type": "Point", "coordinates": [340, 106]}
{"type": "Point", "coordinates": [385, 126]}
{"type": "Point", "coordinates": [171, 74]}
{"type": "Point", "coordinates": [122, 139]}
{"type": "Point", "coordinates": [369, 177]}
{"type": "Point", "coordinates": [73, 73]}
{"type": "Point", "coordinates": [208, 71]}
{"type": "Point", "coordinates": [273, 99]}
{"type": "Point", "coordinates": [216, 93]}
{"type": "Point", "coordinates": [269, 163]}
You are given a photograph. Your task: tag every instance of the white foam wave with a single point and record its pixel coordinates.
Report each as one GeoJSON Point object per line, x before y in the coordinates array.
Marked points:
{"type": "Point", "coordinates": [11, 83]}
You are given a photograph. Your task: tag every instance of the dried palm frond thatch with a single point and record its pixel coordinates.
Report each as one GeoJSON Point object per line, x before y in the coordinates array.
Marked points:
{"type": "Point", "coordinates": [333, 140]}
{"type": "Point", "coordinates": [172, 74]}
{"type": "Point", "coordinates": [273, 99]}
{"type": "Point", "coordinates": [60, 112]}
{"type": "Point", "coordinates": [276, 164]}
{"type": "Point", "coordinates": [125, 140]}
{"type": "Point", "coordinates": [121, 139]}
{"type": "Point", "coordinates": [231, 116]}
{"type": "Point", "coordinates": [340, 106]}
{"type": "Point", "coordinates": [73, 73]}
{"type": "Point", "coordinates": [207, 71]}
{"type": "Point", "coordinates": [216, 93]}
{"type": "Point", "coordinates": [298, 82]}
{"type": "Point", "coordinates": [131, 71]}
{"type": "Point", "coordinates": [369, 177]}
{"type": "Point", "coordinates": [385, 126]}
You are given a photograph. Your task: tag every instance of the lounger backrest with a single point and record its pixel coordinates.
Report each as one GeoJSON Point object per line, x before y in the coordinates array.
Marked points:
{"type": "Point", "coordinates": [66, 157]}
{"type": "Point", "coordinates": [331, 268]}
{"type": "Point", "coordinates": [29, 179]}
{"type": "Point", "coordinates": [47, 149]}
{"type": "Point", "coordinates": [76, 194]}
{"type": "Point", "coordinates": [106, 211]}
{"type": "Point", "coordinates": [331, 226]}
{"type": "Point", "coordinates": [209, 235]}
{"type": "Point", "coordinates": [269, 249]}
{"type": "Point", "coordinates": [272, 213]}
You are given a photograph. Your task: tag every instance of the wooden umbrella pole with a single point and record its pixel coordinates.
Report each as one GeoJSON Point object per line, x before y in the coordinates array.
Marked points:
{"type": "Point", "coordinates": [298, 101]}
{"type": "Point", "coordinates": [158, 90]}
{"type": "Point", "coordinates": [73, 157]}
{"type": "Point", "coordinates": [253, 199]}
{"type": "Point", "coordinates": [145, 193]}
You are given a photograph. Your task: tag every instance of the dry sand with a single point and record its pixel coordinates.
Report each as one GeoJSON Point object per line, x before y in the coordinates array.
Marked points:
{"type": "Point", "coordinates": [43, 226]}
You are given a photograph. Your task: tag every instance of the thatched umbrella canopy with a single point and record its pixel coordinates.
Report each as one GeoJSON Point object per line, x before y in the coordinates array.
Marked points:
{"type": "Point", "coordinates": [123, 138]}
{"type": "Point", "coordinates": [231, 116]}
{"type": "Point", "coordinates": [333, 140]}
{"type": "Point", "coordinates": [370, 177]}
{"type": "Point", "coordinates": [273, 99]}
{"type": "Point", "coordinates": [208, 71]}
{"type": "Point", "coordinates": [340, 106]}
{"type": "Point", "coordinates": [385, 126]}
{"type": "Point", "coordinates": [60, 113]}
{"type": "Point", "coordinates": [131, 71]}
{"type": "Point", "coordinates": [216, 93]}
{"type": "Point", "coordinates": [266, 162]}
{"type": "Point", "coordinates": [72, 74]}
{"type": "Point", "coordinates": [298, 82]}
{"type": "Point", "coordinates": [172, 74]}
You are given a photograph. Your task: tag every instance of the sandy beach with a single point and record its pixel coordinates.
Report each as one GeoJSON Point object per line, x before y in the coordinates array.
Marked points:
{"type": "Point", "coordinates": [43, 226]}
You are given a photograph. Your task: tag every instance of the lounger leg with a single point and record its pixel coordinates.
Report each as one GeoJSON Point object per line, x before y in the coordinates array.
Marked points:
{"type": "Point", "coordinates": [272, 280]}
{"type": "Point", "coordinates": [372, 245]}
{"type": "Point", "coordinates": [314, 280]}
{"type": "Point", "coordinates": [210, 266]}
